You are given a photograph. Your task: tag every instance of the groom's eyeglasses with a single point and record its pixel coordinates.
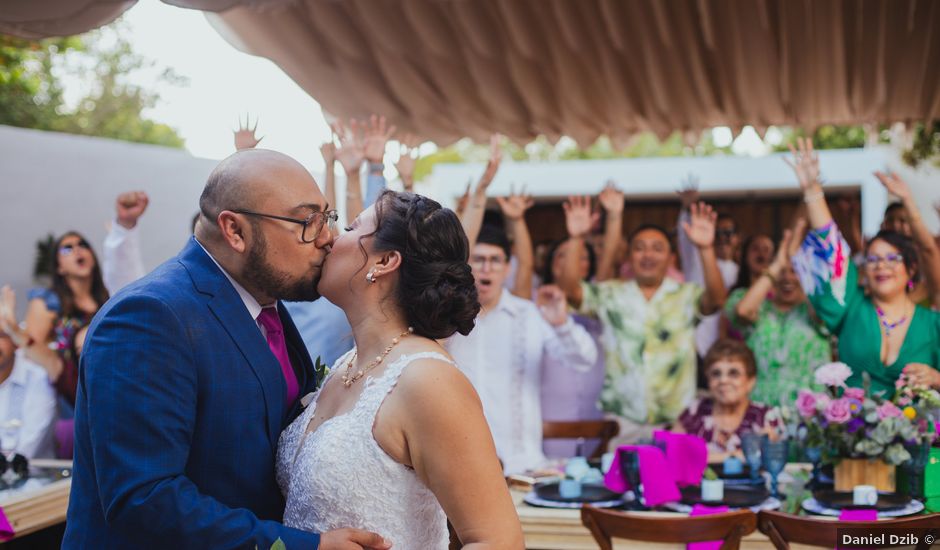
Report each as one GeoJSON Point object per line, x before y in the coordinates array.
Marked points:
{"type": "Point", "coordinates": [313, 224]}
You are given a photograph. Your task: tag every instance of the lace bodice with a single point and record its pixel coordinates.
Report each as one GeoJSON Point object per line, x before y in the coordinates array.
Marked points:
{"type": "Point", "coordinates": [339, 477]}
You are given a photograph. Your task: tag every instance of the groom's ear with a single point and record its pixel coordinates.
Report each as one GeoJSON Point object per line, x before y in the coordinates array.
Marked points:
{"type": "Point", "coordinates": [232, 229]}
{"type": "Point", "coordinates": [389, 261]}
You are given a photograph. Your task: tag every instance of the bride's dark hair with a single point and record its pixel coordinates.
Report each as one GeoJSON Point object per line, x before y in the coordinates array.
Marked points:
{"type": "Point", "coordinates": [435, 284]}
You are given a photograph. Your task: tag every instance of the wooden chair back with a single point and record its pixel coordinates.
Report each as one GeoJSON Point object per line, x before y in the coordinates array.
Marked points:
{"type": "Point", "coordinates": [604, 430]}
{"type": "Point", "coordinates": [783, 529]}
{"type": "Point", "coordinates": [728, 527]}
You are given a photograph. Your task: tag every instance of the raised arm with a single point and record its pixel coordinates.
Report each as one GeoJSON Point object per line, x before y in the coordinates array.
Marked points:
{"type": "Point", "coordinates": [245, 136]}
{"type": "Point", "coordinates": [408, 157]}
{"type": "Point", "coordinates": [746, 311]}
{"type": "Point", "coordinates": [566, 339]}
{"type": "Point", "coordinates": [927, 251]}
{"type": "Point", "coordinates": [377, 134]}
{"type": "Point", "coordinates": [611, 199]}
{"type": "Point", "coordinates": [328, 150]}
{"type": "Point", "coordinates": [701, 232]}
{"type": "Point", "coordinates": [122, 261]}
{"type": "Point", "coordinates": [472, 216]}
{"type": "Point", "coordinates": [805, 164]}
{"type": "Point", "coordinates": [578, 221]}
{"type": "Point", "coordinates": [350, 155]}
{"type": "Point", "coordinates": [688, 253]}
{"type": "Point", "coordinates": [514, 207]}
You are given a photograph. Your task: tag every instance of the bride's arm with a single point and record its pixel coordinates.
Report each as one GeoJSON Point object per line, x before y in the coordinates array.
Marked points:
{"type": "Point", "coordinates": [448, 443]}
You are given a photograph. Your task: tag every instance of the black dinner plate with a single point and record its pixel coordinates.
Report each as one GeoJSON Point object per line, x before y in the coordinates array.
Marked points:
{"type": "Point", "coordinates": [590, 492]}
{"type": "Point", "coordinates": [719, 470]}
{"type": "Point", "coordinates": [842, 500]}
{"type": "Point", "coordinates": [735, 496]}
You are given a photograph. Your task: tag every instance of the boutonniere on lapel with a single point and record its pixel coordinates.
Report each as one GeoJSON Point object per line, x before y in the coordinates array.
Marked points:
{"type": "Point", "coordinates": [321, 371]}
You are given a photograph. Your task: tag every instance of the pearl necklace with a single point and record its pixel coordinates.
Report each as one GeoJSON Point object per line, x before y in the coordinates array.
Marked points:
{"type": "Point", "coordinates": [350, 380]}
{"type": "Point", "coordinates": [889, 326]}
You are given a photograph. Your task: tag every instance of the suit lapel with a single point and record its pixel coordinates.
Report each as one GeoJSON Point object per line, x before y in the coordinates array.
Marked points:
{"type": "Point", "coordinates": [300, 360]}
{"type": "Point", "coordinates": [230, 311]}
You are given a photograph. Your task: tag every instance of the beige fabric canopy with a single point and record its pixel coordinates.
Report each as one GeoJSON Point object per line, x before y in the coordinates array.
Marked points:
{"type": "Point", "coordinates": [445, 69]}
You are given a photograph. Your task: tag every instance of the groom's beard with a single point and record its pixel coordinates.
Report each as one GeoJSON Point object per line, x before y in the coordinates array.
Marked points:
{"type": "Point", "coordinates": [277, 284]}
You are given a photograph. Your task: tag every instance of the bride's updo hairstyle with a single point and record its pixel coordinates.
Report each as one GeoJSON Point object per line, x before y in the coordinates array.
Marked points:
{"type": "Point", "coordinates": [435, 284]}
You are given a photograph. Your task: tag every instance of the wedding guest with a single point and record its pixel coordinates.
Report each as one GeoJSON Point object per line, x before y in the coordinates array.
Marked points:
{"type": "Point", "coordinates": [648, 322]}
{"type": "Point", "coordinates": [25, 394]}
{"type": "Point", "coordinates": [522, 270]}
{"type": "Point", "coordinates": [55, 314]}
{"type": "Point", "coordinates": [779, 326]}
{"type": "Point", "coordinates": [472, 207]}
{"type": "Point", "coordinates": [122, 261]}
{"type": "Point", "coordinates": [513, 343]}
{"type": "Point", "coordinates": [728, 412]}
{"type": "Point", "coordinates": [883, 333]}
{"type": "Point", "coordinates": [758, 251]}
{"type": "Point", "coordinates": [567, 394]}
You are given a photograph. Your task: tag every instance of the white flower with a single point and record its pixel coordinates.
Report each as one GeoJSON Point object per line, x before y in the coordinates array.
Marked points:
{"type": "Point", "coordinates": [833, 374]}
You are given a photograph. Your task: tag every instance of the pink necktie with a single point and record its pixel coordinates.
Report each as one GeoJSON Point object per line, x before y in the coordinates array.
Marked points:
{"type": "Point", "coordinates": [275, 335]}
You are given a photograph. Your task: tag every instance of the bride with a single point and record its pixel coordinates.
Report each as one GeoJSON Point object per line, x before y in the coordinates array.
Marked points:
{"type": "Point", "coordinates": [395, 440]}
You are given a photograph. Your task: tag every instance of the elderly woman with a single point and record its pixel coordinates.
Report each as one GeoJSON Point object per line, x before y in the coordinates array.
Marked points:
{"type": "Point", "coordinates": [779, 326]}
{"type": "Point", "coordinates": [727, 412]}
{"type": "Point", "coordinates": [881, 332]}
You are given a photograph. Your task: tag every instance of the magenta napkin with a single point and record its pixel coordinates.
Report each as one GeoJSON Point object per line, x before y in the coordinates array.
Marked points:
{"type": "Point", "coordinates": [859, 514]}
{"type": "Point", "coordinates": [686, 454]}
{"type": "Point", "coordinates": [659, 485]}
{"type": "Point", "coordinates": [702, 510]}
{"type": "Point", "coordinates": [6, 530]}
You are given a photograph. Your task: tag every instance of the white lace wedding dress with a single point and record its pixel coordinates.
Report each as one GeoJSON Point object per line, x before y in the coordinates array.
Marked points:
{"type": "Point", "coordinates": [338, 476]}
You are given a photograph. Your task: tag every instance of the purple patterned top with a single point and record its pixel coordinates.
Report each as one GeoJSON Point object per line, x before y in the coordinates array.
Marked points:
{"type": "Point", "coordinates": [697, 419]}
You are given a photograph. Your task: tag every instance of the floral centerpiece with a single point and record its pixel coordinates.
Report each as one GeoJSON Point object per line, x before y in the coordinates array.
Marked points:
{"type": "Point", "coordinates": [850, 423]}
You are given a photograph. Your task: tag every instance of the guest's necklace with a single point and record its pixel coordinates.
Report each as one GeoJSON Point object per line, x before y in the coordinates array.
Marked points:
{"type": "Point", "coordinates": [888, 325]}
{"type": "Point", "coordinates": [350, 380]}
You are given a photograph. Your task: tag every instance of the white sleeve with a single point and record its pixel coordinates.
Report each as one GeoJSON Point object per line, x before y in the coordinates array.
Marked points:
{"type": "Point", "coordinates": [39, 415]}
{"type": "Point", "coordinates": [688, 254]}
{"type": "Point", "coordinates": [571, 343]}
{"type": "Point", "coordinates": [122, 262]}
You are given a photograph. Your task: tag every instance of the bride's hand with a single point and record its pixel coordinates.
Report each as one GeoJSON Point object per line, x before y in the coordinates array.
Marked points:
{"type": "Point", "coordinates": [352, 539]}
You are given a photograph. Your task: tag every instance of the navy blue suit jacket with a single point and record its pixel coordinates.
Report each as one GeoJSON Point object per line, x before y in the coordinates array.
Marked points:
{"type": "Point", "coordinates": [180, 406]}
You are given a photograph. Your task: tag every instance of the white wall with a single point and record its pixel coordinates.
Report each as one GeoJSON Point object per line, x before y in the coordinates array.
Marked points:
{"type": "Point", "coordinates": [52, 183]}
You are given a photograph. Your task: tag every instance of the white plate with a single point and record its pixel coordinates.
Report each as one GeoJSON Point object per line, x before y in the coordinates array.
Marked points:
{"type": "Point", "coordinates": [813, 506]}
{"type": "Point", "coordinates": [534, 500]}
{"type": "Point", "coordinates": [770, 504]}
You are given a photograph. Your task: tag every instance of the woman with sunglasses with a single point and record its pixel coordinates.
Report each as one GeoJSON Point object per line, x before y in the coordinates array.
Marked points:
{"type": "Point", "coordinates": [883, 333]}
{"type": "Point", "coordinates": [55, 315]}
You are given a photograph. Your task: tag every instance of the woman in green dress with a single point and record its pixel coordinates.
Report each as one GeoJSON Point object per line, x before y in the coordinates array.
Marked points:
{"type": "Point", "coordinates": [882, 333]}
{"type": "Point", "coordinates": [779, 326]}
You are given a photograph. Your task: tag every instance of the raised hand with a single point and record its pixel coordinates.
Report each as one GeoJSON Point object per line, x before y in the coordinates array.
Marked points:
{"type": "Point", "coordinates": [245, 137]}
{"type": "Point", "coordinates": [8, 322]}
{"type": "Point", "coordinates": [895, 185]}
{"type": "Point", "coordinates": [688, 192]}
{"type": "Point", "coordinates": [492, 166]}
{"type": "Point", "coordinates": [130, 206]}
{"type": "Point", "coordinates": [552, 305]}
{"type": "Point", "coordinates": [701, 226]}
{"type": "Point", "coordinates": [579, 219]}
{"type": "Point", "coordinates": [328, 150]}
{"type": "Point", "coordinates": [782, 257]}
{"type": "Point", "coordinates": [515, 205]}
{"type": "Point", "coordinates": [350, 152]}
{"type": "Point", "coordinates": [377, 134]}
{"type": "Point", "coordinates": [611, 198]}
{"type": "Point", "coordinates": [464, 200]}
{"type": "Point", "coordinates": [805, 163]}
{"type": "Point", "coordinates": [408, 157]}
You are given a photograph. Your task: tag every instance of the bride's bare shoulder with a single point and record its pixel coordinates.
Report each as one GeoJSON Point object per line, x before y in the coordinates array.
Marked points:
{"type": "Point", "coordinates": [435, 379]}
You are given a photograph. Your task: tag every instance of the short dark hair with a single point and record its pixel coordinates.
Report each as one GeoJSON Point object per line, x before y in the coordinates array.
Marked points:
{"type": "Point", "coordinates": [435, 290]}
{"type": "Point", "coordinates": [647, 227]}
{"type": "Point", "coordinates": [490, 234]}
{"type": "Point", "coordinates": [549, 278]}
{"type": "Point", "coordinates": [728, 349]}
{"type": "Point", "coordinates": [904, 245]}
{"type": "Point", "coordinates": [892, 207]}
{"type": "Point", "coordinates": [722, 217]}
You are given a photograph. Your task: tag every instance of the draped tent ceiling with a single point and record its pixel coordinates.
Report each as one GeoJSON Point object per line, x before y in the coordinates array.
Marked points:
{"type": "Point", "coordinates": [445, 69]}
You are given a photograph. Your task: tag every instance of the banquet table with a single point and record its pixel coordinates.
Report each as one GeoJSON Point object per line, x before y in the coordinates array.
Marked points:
{"type": "Point", "coordinates": [39, 501]}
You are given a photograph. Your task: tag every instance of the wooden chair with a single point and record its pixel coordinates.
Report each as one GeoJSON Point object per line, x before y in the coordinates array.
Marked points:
{"type": "Point", "coordinates": [786, 528]}
{"type": "Point", "coordinates": [604, 430]}
{"type": "Point", "coordinates": [728, 527]}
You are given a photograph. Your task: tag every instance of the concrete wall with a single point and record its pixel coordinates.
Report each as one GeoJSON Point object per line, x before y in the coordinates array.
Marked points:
{"type": "Point", "coordinates": [52, 183]}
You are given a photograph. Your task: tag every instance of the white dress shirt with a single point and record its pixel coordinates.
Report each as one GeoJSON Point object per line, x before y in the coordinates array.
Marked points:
{"type": "Point", "coordinates": [706, 333]}
{"type": "Point", "coordinates": [504, 357]}
{"type": "Point", "coordinates": [27, 396]}
{"type": "Point", "coordinates": [122, 261]}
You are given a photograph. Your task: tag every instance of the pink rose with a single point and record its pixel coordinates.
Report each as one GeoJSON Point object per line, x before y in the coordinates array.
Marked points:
{"type": "Point", "coordinates": [888, 410]}
{"type": "Point", "coordinates": [806, 403]}
{"type": "Point", "coordinates": [854, 393]}
{"type": "Point", "coordinates": [833, 374]}
{"type": "Point", "coordinates": [838, 411]}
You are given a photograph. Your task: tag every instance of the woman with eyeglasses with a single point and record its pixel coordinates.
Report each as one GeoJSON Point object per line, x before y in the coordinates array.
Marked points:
{"type": "Point", "coordinates": [883, 333]}
{"type": "Point", "coordinates": [55, 315]}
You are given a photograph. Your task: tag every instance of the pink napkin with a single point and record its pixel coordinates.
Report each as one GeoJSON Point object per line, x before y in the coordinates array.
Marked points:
{"type": "Point", "coordinates": [702, 510]}
{"type": "Point", "coordinates": [686, 454]}
{"type": "Point", "coordinates": [659, 485]}
{"type": "Point", "coordinates": [859, 514]}
{"type": "Point", "coordinates": [6, 530]}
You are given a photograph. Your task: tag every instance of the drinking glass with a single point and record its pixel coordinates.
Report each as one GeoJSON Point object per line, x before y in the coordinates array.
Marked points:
{"type": "Point", "coordinates": [915, 469]}
{"type": "Point", "coordinates": [751, 445]}
{"type": "Point", "coordinates": [630, 465]}
{"type": "Point", "coordinates": [814, 456]}
{"type": "Point", "coordinates": [775, 455]}
{"type": "Point", "coordinates": [9, 441]}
